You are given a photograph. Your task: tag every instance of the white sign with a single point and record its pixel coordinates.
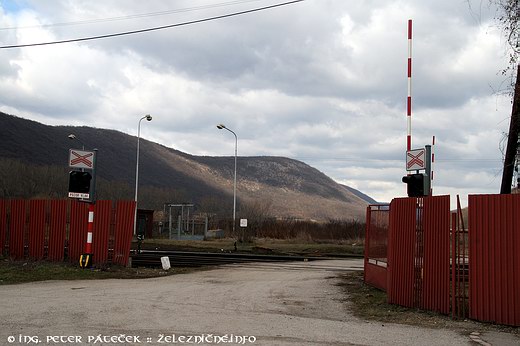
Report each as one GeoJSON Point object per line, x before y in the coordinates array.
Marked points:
{"type": "Point", "coordinates": [243, 222]}
{"type": "Point", "coordinates": [416, 159]}
{"type": "Point", "coordinates": [79, 195]}
{"type": "Point", "coordinates": [81, 159]}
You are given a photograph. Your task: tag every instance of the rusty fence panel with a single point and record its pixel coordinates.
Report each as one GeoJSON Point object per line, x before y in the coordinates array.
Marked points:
{"type": "Point", "coordinates": [494, 271]}
{"type": "Point", "coordinates": [101, 231]}
{"type": "Point", "coordinates": [376, 245]}
{"type": "Point", "coordinates": [17, 229]}
{"type": "Point", "coordinates": [436, 254]}
{"type": "Point", "coordinates": [57, 230]}
{"type": "Point", "coordinates": [3, 226]}
{"type": "Point", "coordinates": [124, 229]}
{"type": "Point", "coordinates": [401, 252]}
{"type": "Point", "coordinates": [37, 227]}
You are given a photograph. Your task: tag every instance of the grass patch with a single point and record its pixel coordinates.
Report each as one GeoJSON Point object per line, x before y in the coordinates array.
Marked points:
{"type": "Point", "coordinates": [15, 272]}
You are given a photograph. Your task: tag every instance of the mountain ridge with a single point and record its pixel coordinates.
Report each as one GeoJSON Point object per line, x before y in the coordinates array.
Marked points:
{"type": "Point", "coordinates": [290, 188]}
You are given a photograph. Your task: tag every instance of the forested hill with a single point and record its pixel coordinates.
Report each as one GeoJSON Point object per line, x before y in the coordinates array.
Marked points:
{"type": "Point", "coordinates": [34, 157]}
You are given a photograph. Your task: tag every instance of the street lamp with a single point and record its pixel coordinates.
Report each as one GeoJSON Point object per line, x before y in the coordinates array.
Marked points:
{"type": "Point", "coordinates": [220, 127]}
{"type": "Point", "coordinates": [148, 117]}
{"type": "Point", "coordinates": [73, 137]}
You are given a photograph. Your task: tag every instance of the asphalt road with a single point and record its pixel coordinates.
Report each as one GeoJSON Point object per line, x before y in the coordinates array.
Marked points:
{"type": "Point", "coordinates": [252, 304]}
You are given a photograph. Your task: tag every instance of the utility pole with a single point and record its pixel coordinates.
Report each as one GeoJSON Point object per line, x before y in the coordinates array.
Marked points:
{"type": "Point", "coordinates": [512, 140]}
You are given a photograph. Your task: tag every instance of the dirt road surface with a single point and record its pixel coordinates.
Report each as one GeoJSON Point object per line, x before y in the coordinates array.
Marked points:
{"type": "Point", "coordinates": [253, 304]}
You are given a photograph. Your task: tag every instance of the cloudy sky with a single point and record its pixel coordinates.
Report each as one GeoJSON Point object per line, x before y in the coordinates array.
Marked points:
{"type": "Point", "coordinates": [321, 81]}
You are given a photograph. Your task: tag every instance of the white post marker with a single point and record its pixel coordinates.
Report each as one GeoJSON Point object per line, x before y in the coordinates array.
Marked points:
{"type": "Point", "coordinates": [165, 261]}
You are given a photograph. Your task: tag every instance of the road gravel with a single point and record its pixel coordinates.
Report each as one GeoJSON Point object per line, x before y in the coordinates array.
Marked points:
{"type": "Point", "coordinates": [270, 304]}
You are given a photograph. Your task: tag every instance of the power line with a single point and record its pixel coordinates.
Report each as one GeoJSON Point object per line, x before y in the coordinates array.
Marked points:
{"type": "Point", "coordinates": [152, 29]}
{"type": "Point", "coordinates": [132, 16]}
{"type": "Point", "coordinates": [361, 159]}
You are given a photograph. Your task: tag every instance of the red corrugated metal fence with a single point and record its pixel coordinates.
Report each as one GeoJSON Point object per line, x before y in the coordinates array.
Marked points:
{"type": "Point", "coordinates": [16, 231]}
{"type": "Point", "coordinates": [494, 246]}
{"type": "Point", "coordinates": [57, 230]}
{"type": "Point", "coordinates": [436, 254]}
{"type": "Point", "coordinates": [78, 228]}
{"type": "Point", "coordinates": [419, 253]}
{"type": "Point", "coordinates": [430, 254]}
{"type": "Point", "coordinates": [102, 223]}
{"type": "Point", "coordinates": [37, 210]}
{"type": "Point", "coordinates": [122, 236]}
{"type": "Point", "coordinates": [401, 252]}
{"type": "Point", "coordinates": [3, 225]}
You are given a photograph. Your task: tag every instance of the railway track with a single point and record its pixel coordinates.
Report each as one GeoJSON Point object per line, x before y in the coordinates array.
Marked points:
{"type": "Point", "coordinates": [147, 258]}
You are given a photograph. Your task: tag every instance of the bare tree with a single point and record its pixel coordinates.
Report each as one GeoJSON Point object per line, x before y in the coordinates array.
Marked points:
{"type": "Point", "coordinates": [256, 212]}
{"type": "Point", "coordinates": [508, 15]}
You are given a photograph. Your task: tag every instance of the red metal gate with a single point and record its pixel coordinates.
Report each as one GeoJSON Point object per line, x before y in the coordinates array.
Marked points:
{"type": "Point", "coordinates": [376, 245]}
{"type": "Point", "coordinates": [419, 253]}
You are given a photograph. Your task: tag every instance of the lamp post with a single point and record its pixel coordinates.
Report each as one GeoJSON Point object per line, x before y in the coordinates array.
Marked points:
{"type": "Point", "coordinates": [73, 137]}
{"type": "Point", "coordinates": [148, 117]}
{"type": "Point", "coordinates": [220, 127]}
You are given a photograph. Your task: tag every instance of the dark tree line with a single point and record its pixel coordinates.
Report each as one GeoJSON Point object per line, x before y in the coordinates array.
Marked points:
{"type": "Point", "coordinates": [19, 180]}
{"type": "Point", "coordinates": [25, 181]}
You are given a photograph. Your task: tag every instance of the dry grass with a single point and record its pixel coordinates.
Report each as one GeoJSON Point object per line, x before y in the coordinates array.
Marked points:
{"type": "Point", "coordinates": [15, 272]}
{"type": "Point", "coordinates": [369, 303]}
{"type": "Point", "coordinates": [262, 245]}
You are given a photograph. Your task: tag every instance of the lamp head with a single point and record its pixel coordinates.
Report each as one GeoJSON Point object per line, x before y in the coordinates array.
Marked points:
{"type": "Point", "coordinates": [221, 126]}
{"type": "Point", "coordinates": [148, 117]}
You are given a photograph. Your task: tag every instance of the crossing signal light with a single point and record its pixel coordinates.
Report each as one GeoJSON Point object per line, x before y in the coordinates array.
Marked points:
{"type": "Point", "coordinates": [79, 182]}
{"type": "Point", "coordinates": [417, 185]}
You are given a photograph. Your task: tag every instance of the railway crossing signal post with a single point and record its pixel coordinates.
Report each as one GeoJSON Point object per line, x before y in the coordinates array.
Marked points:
{"type": "Point", "coordinates": [418, 184]}
{"type": "Point", "coordinates": [82, 186]}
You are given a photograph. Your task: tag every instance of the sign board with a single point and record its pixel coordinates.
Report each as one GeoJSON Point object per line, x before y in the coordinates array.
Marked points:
{"type": "Point", "coordinates": [243, 222]}
{"type": "Point", "coordinates": [416, 159]}
{"type": "Point", "coordinates": [79, 195]}
{"type": "Point", "coordinates": [81, 159]}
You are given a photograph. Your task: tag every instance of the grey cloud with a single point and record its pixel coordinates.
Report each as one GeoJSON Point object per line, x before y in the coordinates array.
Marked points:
{"type": "Point", "coordinates": [321, 81]}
